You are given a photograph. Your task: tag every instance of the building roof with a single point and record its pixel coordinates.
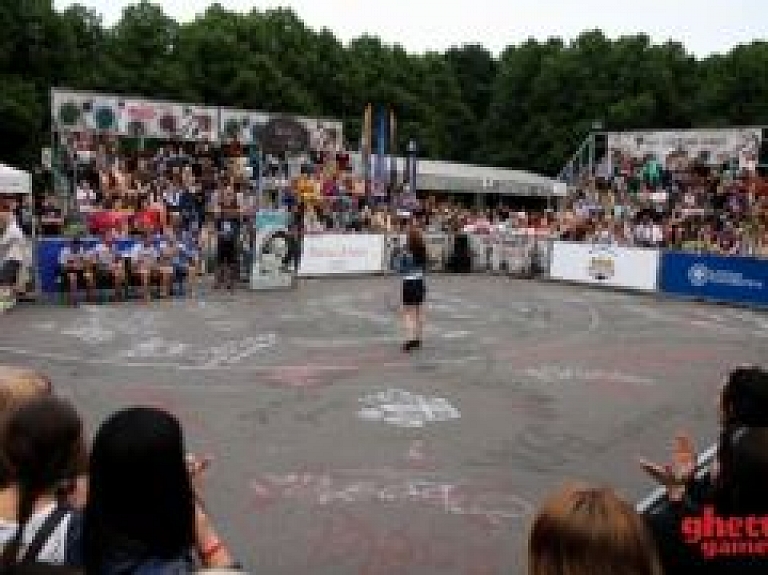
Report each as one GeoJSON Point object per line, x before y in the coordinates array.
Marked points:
{"type": "Point", "coordinates": [466, 178]}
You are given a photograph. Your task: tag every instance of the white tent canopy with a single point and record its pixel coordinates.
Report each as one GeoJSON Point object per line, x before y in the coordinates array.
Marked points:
{"type": "Point", "coordinates": [13, 181]}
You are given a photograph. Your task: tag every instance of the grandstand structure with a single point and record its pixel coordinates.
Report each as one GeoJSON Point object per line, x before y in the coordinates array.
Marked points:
{"type": "Point", "coordinates": [600, 155]}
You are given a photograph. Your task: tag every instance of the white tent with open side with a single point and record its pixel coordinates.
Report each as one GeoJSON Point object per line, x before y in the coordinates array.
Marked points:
{"type": "Point", "coordinates": [13, 181]}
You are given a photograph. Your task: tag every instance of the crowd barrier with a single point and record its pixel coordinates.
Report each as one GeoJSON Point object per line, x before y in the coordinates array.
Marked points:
{"type": "Point", "coordinates": [47, 258]}
{"type": "Point", "coordinates": [731, 279]}
{"type": "Point", "coordinates": [725, 279]}
{"type": "Point", "coordinates": [613, 266]}
{"type": "Point", "coordinates": [742, 280]}
{"type": "Point", "coordinates": [329, 254]}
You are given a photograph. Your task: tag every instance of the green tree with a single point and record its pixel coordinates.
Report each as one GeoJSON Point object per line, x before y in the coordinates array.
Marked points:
{"type": "Point", "coordinates": [530, 108]}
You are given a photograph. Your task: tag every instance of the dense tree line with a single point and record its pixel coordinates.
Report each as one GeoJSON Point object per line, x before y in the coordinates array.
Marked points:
{"type": "Point", "coordinates": [530, 108]}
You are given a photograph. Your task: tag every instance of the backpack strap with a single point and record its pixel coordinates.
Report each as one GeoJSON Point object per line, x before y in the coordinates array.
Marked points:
{"type": "Point", "coordinates": [43, 534]}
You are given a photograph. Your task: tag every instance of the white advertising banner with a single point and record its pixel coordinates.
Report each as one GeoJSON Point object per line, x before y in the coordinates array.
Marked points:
{"type": "Point", "coordinates": [332, 254]}
{"type": "Point", "coordinates": [718, 145]}
{"type": "Point", "coordinates": [632, 268]}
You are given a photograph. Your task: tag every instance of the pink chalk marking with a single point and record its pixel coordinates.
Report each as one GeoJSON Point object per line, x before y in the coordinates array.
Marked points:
{"type": "Point", "coordinates": [355, 542]}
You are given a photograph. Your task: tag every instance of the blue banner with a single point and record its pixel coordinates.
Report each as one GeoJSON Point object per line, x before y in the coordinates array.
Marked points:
{"type": "Point", "coordinates": [48, 250]}
{"type": "Point", "coordinates": [381, 147]}
{"type": "Point", "coordinates": [720, 278]}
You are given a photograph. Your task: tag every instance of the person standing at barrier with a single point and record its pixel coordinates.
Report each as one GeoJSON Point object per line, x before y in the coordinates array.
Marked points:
{"type": "Point", "coordinates": [227, 218]}
{"type": "Point", "coordinates": [412, 266]}
{"type": "Point", "coordinates": [11, 256]}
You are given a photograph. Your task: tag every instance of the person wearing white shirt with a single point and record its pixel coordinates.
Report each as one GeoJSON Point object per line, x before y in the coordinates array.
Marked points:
{"type": "Point", "coordinates": [85, 197]}
{"type": "Point", "coordinates": [657, 235]}
{"type": "Point", "coordinates": [11, 256]}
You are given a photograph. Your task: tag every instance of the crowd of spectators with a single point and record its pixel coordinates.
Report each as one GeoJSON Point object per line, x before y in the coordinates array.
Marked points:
{"type": "Point", "coordinates": [131, 501]}
{"type": "Point", "coordinates": [679, 202]}
{"type": "Point", "coordinates": [183, 205]}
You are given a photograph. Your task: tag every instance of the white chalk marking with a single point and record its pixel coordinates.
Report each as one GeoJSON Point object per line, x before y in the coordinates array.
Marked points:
{"type": "Point", "coordinates": [552, 373]}
{"type": "Point", "coordinates": [405, 409]}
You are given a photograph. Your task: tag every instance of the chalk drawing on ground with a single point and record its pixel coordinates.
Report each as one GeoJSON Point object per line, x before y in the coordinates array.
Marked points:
{"type": "Point", "coordinates": [495, 503]}
{"type": "Point", "coordinates": [405, 409]}
{"type": "Point", "coordinates": [230, 352]}
{"type": "Point", "coordinates": [89, 330]}
{"type": "Point", "coordinates": [155, 348]}
{"type": "Point", "coordinates": [554, 373]}
{"type": "Point", "coordinates": [100, 326]}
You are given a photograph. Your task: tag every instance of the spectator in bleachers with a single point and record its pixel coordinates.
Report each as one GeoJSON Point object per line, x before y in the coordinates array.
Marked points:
{"type": "Point", "coordinates": [44, 450]}
{"type": "Point", "coordinates": [143, 514]}
{"type": "Point", "coordinates": [51, 221]}
{"type": "Point", "coordinates": [590, 531]}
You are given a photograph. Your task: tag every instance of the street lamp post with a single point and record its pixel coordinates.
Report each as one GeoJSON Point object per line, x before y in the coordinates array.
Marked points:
{"type": "Point", "coordinates": [596, 127]}
{"type": "Point", "coordinates": [412, 151]}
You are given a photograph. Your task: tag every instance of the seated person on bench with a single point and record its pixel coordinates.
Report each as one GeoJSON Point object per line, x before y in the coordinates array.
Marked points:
{"type": "Point", "coordinates": [145, 264]}
{"type": "Point", "coordinates": [109, 266]}
{"type": "Point", "coordinates": [75, 270]}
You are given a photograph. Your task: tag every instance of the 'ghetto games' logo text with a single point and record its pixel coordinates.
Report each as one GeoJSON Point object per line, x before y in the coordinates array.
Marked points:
{"type": "Point", "coordinates": [726, 536]}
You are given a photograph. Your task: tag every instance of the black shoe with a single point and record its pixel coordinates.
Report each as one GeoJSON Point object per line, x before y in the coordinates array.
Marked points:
{"type": "Point", "coordinates": [408, 345]}
{"type": "Point", "coordinates": [416, 344]}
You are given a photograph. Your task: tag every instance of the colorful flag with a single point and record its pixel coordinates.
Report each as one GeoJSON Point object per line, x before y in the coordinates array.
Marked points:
{"type": "Point", "coordinates": [381, 148]}
{"type": "Point", "coordinates": [365, 147]}
{"type": "Point", "coordinates": [392, 148]}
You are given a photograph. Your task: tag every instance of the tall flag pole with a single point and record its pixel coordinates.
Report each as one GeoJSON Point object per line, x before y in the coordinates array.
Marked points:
{"type": "Point", "coordinates": [366, 148]}
{"type": "Point", "coordinates": [392, 149]}
{"type": "Point", "coordinates": [381, 148]}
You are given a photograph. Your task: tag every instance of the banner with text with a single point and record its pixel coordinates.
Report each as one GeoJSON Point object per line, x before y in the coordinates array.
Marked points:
{"type": "Point", "coordinates": [717, 146]}
{"type": "Point", "coordinates": [719, 278]}
{"type": "Point", "coordinates": [632, 268]}
{"type": "Point", "coordinates": [332, 254]}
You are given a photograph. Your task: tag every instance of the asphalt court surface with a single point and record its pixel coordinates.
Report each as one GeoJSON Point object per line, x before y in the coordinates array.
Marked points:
{"type": "Point", "coordinates": [335, 453]}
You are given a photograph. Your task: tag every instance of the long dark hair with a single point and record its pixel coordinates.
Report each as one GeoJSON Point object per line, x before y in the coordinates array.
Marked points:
{"type": "Point", "coordinates": [743, 473]}
{"type": "Point", "coordinates": [42, 444]}
{"type": "Point", "coordinates": [141, 504]}
{"type": "Point", "coordinates": [417, 247]}
{"type": "Point", "coordinates": [743, 467]}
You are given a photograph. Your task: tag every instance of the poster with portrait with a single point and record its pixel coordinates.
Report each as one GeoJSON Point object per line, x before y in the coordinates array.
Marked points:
{"type": "Point", "coordinates": [273, 266]}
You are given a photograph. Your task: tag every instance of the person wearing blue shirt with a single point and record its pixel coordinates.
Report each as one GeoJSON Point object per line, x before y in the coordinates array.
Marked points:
{"type": "Point", "coordinates": [412, 266]}
{"type": "Point", "coordinates": [185, 260]}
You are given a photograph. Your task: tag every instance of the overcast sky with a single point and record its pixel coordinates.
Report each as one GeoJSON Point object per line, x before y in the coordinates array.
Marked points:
{"type": "Point", "coordinates": [704, 26]}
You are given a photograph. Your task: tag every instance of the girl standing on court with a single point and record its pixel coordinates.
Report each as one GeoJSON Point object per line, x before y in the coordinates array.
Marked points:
{"type": "Point", "coordinates": [412, 268]}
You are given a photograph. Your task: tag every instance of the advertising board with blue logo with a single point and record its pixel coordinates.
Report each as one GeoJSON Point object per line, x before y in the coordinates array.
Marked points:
{"type": "Point", "coordinates": [727, 279]}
